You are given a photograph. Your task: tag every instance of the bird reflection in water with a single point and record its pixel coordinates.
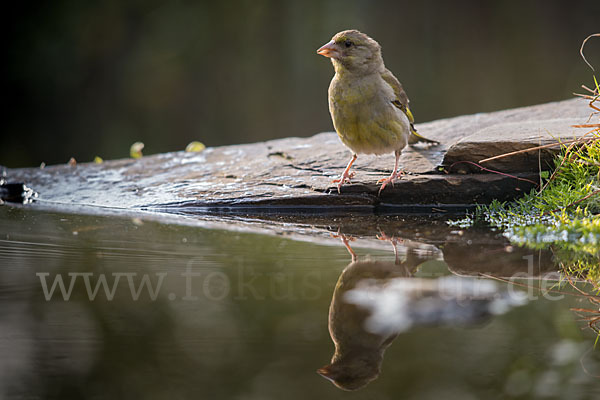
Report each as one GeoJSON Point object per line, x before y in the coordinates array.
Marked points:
{"type": "Point", "coordinates": [374, 301]}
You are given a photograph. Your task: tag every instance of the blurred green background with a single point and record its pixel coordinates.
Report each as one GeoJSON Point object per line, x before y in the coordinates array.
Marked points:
{"type": "Point", "coordinates": [89, 78]}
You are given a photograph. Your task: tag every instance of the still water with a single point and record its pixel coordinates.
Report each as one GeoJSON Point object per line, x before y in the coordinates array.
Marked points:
{"type": "Point", "coordinates": [156, 310]}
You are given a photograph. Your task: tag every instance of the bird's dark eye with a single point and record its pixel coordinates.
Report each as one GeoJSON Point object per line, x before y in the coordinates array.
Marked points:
{"type": "Point", "coordinates": [348, 43]}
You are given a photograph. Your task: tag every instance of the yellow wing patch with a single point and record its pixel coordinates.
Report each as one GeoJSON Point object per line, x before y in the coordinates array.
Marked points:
{"type": "Point", "coordinates": [409, 115]}
{"type": "Point", "coordinates": [415, 137]}
{"type": "Point", "coordinates": [405, 110]}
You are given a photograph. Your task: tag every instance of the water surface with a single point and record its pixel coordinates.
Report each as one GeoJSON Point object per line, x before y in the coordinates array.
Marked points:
{"type": "Point", "coordinates": [239, 315]}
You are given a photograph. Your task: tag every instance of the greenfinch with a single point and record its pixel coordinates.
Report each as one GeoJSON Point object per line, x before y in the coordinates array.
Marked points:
{"type": "Point", "coordinates": [368, 105]}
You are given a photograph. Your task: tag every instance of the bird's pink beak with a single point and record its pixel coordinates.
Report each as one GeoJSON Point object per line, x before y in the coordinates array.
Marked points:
{"type": "Point", "coordinates": [329, 50]}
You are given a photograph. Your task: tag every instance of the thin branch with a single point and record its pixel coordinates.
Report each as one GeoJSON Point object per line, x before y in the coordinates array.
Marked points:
{"type": "Point", "coordinates": [508, 281]}
{"type": "Point", "coordinates": [586, 126]}
{"type": "Point", "coordinates": [493, 171]}
{"type": "Point", "coordinates": [583, 45]}
{"type": "Point", "coordinates": [545, 146]}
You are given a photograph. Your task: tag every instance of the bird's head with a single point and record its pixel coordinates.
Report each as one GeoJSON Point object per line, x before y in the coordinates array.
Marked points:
{"type": "Point", "coordinates": [352, 374]}
{"type": "Point", "coordinates": [353, 51]}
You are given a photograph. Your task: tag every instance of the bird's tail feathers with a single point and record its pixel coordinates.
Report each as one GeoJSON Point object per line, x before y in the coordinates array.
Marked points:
{"type": "Point", "coordinates": [416, 138]}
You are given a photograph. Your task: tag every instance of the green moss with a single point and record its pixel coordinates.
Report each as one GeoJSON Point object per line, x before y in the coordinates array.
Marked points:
{"type": "Point", "coordinates": [563, 215]}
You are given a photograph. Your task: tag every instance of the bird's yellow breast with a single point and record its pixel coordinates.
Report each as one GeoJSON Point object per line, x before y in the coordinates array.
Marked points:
{"type": "Point", "coordinates": [364, 117]}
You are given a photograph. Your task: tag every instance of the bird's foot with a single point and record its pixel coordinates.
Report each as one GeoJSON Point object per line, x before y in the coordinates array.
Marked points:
{"type": "Point", "coordinates": [386, 238]}
{"type": "Point", "coordinates": [346, 241]}
{"type": "Point", "coordinates": [393, 240]}
{"type": "Point", "coordinates": [390, 179]}
{"type": "Point", "coordinates": [345, 178]}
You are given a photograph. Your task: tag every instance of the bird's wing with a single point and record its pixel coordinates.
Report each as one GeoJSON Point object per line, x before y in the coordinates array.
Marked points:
{"type": "Point", "coordinates": [401, 102]}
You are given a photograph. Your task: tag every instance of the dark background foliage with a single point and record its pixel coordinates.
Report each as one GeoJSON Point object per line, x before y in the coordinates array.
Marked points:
{"type": "Point", "coordinates": [85, 78]}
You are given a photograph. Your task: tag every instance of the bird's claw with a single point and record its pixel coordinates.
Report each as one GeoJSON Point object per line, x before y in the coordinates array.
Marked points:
{"type": "Point", "coordinates": [346, 242]}
{"type": "Point", "coordinates": [390, 179]}
{"type": "Point", "coordinates": [339, 234]}
{"type": "Point", "coordinates": [345, 178]}
{"type": "Point", "coordinates": [384, 237]}
{"type": "Point", "coordinates": [393, 240]}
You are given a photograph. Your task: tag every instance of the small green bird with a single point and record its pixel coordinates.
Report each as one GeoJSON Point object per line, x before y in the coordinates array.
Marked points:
{"type": "Point", "coordinates": [368, 105]}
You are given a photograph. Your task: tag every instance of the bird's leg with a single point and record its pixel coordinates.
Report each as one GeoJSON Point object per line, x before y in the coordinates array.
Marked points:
{"type": "Point", "coordinates": [346, 175]}
{"type": "Point", "coordinates": [346, 241]}
{"type": "Point", "coordinates": [395, 174]}
{"type": "Point", "coordinates": [393, 241]}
